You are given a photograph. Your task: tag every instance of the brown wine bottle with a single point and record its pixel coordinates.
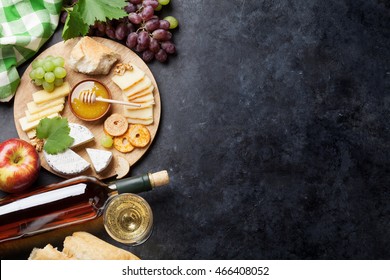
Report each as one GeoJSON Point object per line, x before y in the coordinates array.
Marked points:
{"type": "Point", "coordinates": [69, 202]}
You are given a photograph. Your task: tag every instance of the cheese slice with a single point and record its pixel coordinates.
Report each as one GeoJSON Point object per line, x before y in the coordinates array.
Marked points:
{"type": "Point", "coordinates": [143, 114]}
{"type": "Point", "coordinates": [138, 121]}
{"type": "Point", "coordinates": [142, 99]}
{"type": "Point", "coordinates": [44, 113]}
{"type": "Point", "coordinates": [33, 108]}
{"type": "Point", "coordinates": [142, 85]}
{"type": "Point", "coordinates": [145, 92]}
{"type": "Point", "coordinates": [42, 96]}
{"type": "Point", "coordinates": [129, 78]}
{"type": "Point", "coordinates": [67, 163]}
{"type": "Point", "coordinates": [31, 133]}
{"type": "Point", "coordinates": [80, 134]}
{"type": "Point", "coordinates": [26, 125]}
{"type": "Point", "coordinates": [100, 159]}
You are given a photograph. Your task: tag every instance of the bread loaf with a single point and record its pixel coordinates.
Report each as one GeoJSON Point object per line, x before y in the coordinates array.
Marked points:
{"type": "Point", "coordinates": [91, 57]}
{"type": "Point", "coordinates": [82, 246]}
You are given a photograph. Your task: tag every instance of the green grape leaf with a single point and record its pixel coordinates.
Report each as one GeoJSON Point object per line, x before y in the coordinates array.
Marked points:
{"type": "Point", "coordinates": [93, 10]}
{"type": "Point", "coordinates": [86, 12]}
{"type": "Point", "coordinates": [74, 25]}
{"type": "Point", "coordinates": [56, 132]}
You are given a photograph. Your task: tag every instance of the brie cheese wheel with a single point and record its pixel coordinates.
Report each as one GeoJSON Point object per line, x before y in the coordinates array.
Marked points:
{"type": "Point", "coordinates": [80, 134]}
{"type": "Point", "coordinates": [66, 163]}
{"type": "Point", "coordinates": [100, 159]}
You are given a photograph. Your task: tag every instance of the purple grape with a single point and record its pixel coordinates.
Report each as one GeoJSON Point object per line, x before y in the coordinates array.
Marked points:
{"type": "Point", "coordinates": [101, 26]}
{"type": "Point", "coordinates": [110, 31]}
{"type": "Point", "coordinates": [147, 55]}
{"type": "Point", "coordinates": [169, 47]}
{"type": "Point", "coordinates": [147, 13]}
{"type": "Point", "coordinates": [135, 18]}
{"type": "Point", "coordinates": [152, 24]}
{"type": "Point", "coordinates": [140, 48]}
{"type": "Point", "coordinates": [162, 35]}
{"type": "Point", "coordinates": [130, 8]}
{"type": "Point", "coordinates": [161, 56]}
{"type": "Point", "coordinates": [164, 24]}
{"type": "Point", "coordinates": [143, 39]}
{"type": "Point", "coordinates": [152, 3]}
{"type": "Point", "coordinates": [121, 31]}
{"type": "Point", "coordinates": [130, 27]}
{"type": "Point", "coordinates": [154, 45]}
{"type": "Point", "coordinates": [100, 33]}
{"type": "Point", "coordinates": [135, 1]}
{"type": "Point", "coordinates": [131, 41]}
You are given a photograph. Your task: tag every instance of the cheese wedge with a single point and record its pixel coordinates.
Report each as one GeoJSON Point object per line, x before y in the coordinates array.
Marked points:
{"type": "Point", "coordinates": [44, 113]}
{"type": "Point", "coordinates": [129, 78]}
{"type": "Point", "coordinates": [80, 134]}
{"type": "Point", "coordinates": [143, 114]}
{"type": "Point", "coordinates": [33, 108]}
{"type": "Point", "coordinates": [142, 85]}
{"type": "Point", "coordinates": [26, 125]}
{"type": "Point", "coordinates": [67, 163]}
{"type": "Point", "coordinates": [100, 159]}
{"type": "Point", "coordinates": [138, 121]}
{"type": "Point", "coordinates": [42, 96]}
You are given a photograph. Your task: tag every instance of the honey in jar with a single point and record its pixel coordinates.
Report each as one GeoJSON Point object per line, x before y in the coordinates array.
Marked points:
{"type": "Point", "coordinates": [89, 111]}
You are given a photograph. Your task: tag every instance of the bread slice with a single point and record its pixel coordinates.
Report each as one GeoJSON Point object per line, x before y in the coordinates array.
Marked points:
{"type": "Point", "coordinates": [91, 57]}
{"type": "Point", "coordinates": [48, 253]}
{"type": "Point", "coordinates": [85, 246]}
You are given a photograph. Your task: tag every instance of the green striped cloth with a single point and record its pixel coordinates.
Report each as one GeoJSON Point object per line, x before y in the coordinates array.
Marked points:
{"type": "Point", "coordinates": [25, 25]}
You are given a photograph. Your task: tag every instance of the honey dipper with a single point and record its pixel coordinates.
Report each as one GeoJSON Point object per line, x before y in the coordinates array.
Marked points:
{"type": "Point", "coordinates": [89, 97]}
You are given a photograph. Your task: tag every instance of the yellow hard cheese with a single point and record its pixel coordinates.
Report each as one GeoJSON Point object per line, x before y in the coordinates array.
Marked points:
{"type": "Point", "coordinates": [129, 78]}
{"type": "Point", "coordinates": [139, 121]}
{"type": "Point", "coordinates": [44, 113]}
{"type": "Point", "coordinates": [34, 108]}
{"type": "Point", "coordinates": [143, 84]}
{"type": "Point", "coordinates": [143, 113]}
{"type": "Point", "coordinates": [26, 125]}
{"type": "Point", "coordinates": [44, 96]}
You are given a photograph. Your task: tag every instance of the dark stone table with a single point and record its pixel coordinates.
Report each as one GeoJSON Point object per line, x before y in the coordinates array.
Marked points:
{"type": "Point", "coordinates": [275, 131]}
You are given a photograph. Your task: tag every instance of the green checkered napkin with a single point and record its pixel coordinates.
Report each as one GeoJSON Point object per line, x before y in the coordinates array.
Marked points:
{"type": "Point", "coordinates": [25, 25]}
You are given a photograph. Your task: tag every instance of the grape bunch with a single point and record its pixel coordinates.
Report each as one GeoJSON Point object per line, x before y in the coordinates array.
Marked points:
{"type": "Point", "coordinates": [48, 72]}
{"type": "Point", "coordinates": [142, 30]}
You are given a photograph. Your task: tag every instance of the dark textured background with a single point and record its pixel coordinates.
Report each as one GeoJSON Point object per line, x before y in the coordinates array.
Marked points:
{"type": "Point", "coordinates": [275, 131]}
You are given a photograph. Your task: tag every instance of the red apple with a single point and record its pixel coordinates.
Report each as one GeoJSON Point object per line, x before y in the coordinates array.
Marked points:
{"type": "Point", "coordinates": [19, 165]}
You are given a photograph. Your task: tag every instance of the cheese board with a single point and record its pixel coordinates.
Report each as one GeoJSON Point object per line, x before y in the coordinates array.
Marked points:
{"type": "Point", "coordinates": [26, 89]}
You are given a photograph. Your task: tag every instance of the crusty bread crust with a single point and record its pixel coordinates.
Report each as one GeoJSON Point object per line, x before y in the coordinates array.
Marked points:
{"type": "Point", "coordinates": [82, 246]}
{"type": "Point", "coordinates": [91, 57]}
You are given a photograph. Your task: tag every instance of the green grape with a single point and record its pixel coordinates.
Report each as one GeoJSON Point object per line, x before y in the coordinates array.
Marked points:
{"type": "Point", "coordinates": [60, 72]}
{"type": "Point", "coordinates": [49, 87]}
{"type": "Point", "coordinates": [58, 82]}
{"type": "Point", "coordinates": [106, 141]}
{"type": "Point", "coordinates": [49, 77]}
{"type": "Point", "coordinates": [37, 63]}
{"type": "Point", "coordinates": [38, 82]}
{"type": "Point", "coordinates": [32, 74]}
{"type": "Point", "coordinates": [39, 73]}
{"type": "Point", "coordinates": [58, 61]}
{"type": "Point", "coordinates": [173, 22]}
{"type": "Point", "coordinates": [164, 2]}
{"type": "Point", "coordinates": [158, 8]}
{"type": "Point", "coordinates": [48, 65]}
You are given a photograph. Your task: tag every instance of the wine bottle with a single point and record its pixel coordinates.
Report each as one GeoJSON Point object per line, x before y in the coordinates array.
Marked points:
{"type": "Point", "coordinates": [69, 202]}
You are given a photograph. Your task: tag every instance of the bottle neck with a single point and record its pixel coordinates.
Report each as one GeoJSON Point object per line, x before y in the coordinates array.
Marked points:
{"type": "Point", "coordinates": [134, 184]}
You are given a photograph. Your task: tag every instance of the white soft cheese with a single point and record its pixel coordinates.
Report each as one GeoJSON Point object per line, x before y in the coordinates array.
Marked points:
{"type": "Point", "coordinates": [80, 134]}
{"type": "Point", "coordinates": [67, 163]}
{"type": "Point", "coordinates": [100, 159]}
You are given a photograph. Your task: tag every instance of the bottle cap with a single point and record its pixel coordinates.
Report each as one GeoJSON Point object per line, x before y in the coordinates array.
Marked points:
{"type": "Point", "coordinates": [159, 179]}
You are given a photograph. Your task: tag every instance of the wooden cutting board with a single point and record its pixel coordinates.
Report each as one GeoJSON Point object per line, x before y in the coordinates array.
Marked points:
{"type": "Point", "coordinates": [63, 49]}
